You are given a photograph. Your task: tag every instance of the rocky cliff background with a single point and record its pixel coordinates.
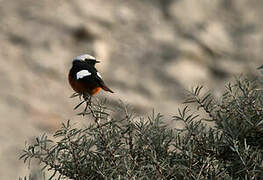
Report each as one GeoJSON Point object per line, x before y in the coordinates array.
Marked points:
{"type": "Point", "coordinates": [151, 51]}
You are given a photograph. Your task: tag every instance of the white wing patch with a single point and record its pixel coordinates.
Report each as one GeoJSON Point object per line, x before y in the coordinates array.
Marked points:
{"type": "Point", "coordinates": [99, 74]}
{"type": "Point", "coordinates": [83, 73]}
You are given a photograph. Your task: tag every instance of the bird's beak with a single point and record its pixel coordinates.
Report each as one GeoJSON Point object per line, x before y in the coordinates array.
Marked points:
{"type": "Point", "coordinates": [97, 61]}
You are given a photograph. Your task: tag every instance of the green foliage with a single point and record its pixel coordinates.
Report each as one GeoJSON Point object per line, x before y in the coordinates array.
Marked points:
{"type": "Point", "coordinates": [119, 145]}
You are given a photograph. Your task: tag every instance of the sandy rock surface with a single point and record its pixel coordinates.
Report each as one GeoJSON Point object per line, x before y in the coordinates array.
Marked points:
{"type": "Point", "coordinates": [151, 51]}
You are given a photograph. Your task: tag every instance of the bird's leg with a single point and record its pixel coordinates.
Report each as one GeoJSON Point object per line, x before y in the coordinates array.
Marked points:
{"type": "Point", "coordinates": [87, 98]}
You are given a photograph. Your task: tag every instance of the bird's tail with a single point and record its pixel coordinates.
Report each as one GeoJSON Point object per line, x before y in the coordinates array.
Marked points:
{"type": "Point", "coordinates": [105, 88]}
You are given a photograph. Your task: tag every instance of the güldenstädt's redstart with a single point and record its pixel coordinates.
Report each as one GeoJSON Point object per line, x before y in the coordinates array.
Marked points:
{"type": "Point", "coordinates": [84, 77]}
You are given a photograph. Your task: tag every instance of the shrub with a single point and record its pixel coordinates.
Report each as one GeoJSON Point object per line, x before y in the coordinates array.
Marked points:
{"type": "Point", "coordinates": [123, 146]}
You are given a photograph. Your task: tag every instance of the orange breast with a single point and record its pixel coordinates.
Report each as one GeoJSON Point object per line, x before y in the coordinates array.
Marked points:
{"type": "Point", "coordinates": [82, 87]}
{"type": "Point", "coordinates": [95, 91]}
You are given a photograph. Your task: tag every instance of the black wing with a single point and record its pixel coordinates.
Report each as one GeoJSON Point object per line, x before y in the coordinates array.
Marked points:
{"type": "Point", "coordinates": [95, 78]}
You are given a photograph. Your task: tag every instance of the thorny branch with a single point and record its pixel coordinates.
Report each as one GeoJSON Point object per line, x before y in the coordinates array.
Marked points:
{"type": "Point", "coordinates": [89, 109]}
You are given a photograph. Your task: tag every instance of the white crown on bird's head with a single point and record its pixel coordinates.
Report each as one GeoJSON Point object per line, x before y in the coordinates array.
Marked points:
{"type": "Point", "coordinates": [86, 58]}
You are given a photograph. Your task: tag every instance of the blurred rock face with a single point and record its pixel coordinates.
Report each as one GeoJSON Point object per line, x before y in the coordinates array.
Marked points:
{"type": "Point", "coordinates": [150, 50]}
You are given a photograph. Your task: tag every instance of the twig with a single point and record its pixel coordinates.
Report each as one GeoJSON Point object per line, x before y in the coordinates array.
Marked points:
{"type": "Point", "coordinates": [96, 120]}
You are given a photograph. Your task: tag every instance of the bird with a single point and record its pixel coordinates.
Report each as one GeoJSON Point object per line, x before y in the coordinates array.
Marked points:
{"type": "Point", "coordinates": [84, 78]}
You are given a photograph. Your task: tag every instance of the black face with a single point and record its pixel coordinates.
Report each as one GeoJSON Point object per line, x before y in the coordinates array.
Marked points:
{"type": "Point", "coordinates": [91, 61]}
{"type": "Point", "coordinates": [86, 61]}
